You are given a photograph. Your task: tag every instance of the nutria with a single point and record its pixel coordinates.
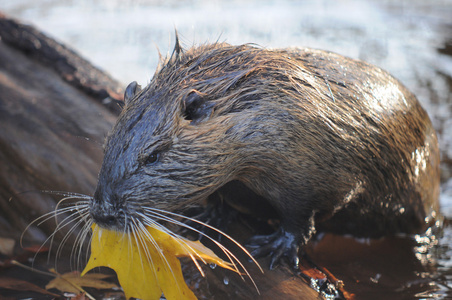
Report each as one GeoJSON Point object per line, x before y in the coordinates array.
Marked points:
{"type": "Point", "coordinates": [328, 142]}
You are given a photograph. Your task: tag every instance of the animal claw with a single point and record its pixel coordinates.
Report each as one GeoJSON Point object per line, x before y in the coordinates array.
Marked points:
{"type": "Point", "coordinates": [278, 244]}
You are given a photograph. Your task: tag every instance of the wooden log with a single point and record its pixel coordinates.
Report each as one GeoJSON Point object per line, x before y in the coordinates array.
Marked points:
{"type": "Point", "coordinates": [53, 122]}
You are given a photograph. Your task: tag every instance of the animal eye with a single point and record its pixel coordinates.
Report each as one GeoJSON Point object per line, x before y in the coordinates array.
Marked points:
{"type": "Point", "coordinates": [152, 158]}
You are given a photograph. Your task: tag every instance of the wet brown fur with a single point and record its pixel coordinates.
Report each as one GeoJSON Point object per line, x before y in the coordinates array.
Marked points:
{"type": "Point", "coordinates": [329, 142]}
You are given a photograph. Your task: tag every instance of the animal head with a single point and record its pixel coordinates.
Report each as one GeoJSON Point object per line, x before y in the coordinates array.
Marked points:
{"type": "Point", "coordinates": [175, 140]}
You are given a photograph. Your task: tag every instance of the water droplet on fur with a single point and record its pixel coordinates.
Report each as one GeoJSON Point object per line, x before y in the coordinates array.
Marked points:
{"type": "Point", "coordinates": [226, 281]}
{"type": "Point", "coordinates": [212, 266]}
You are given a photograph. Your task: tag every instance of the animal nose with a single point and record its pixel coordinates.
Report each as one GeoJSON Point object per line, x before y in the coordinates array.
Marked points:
{"type": "Point", "coordinates": [105, 214]}
{"type": "Point", "coordinates": [107, 220]}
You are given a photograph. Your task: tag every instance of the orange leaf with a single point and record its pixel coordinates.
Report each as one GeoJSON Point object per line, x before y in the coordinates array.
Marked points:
{"type": "Point", "coordinates": [72, 281]}
{"type": "Point", "coordinates": [146, 263]}
{"type": "Point", "coordinates": [22, 285]}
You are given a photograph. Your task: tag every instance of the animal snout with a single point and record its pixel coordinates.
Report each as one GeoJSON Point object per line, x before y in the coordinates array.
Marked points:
{"type": "Point", "coordinates": [104, 219]}
{"type": "Point", "coordinates": [107, 214]}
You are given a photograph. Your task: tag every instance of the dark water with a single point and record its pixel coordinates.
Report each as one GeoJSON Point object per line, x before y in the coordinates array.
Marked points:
{"type": "Point", "coordinates": [390, 268]}
{"type": "Point", "coordinates": [410, 39]}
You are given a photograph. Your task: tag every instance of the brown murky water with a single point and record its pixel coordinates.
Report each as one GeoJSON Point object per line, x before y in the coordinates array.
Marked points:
{"type": "Point", "coordinates": [410, 39]}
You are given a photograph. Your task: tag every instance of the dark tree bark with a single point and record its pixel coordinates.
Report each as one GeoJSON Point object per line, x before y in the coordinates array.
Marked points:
{"type": "Point", "coordinates": [55, 109]}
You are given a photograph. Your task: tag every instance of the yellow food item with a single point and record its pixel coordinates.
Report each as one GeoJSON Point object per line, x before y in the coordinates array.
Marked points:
{"type": "Point", "coordinates": [146, 262]}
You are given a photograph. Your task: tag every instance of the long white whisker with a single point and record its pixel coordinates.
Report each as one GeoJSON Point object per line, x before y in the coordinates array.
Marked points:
{"type": "Point", "coordinates": [146, 236]}
{"type": "Point", "coordinates": [70, 219]}
{"type": "Point", "coordinates": [51, 236]}
{"type": "Point", "coordinates": [87, 233]}
{"type": "Point", "coordinates": [74, 217]}
{"type": "Point", "coordinates": [60, 225]}
{"type": "Point", "coordinates": [227, 252]}
{"type": "Point", "coordinates": [77, 221]}
{"type": "Point", "coordinates": [218, 244]}
{"type": "Point", "coordinates": [187, 247]}
{"type": "Point", "coordinates": [144, 233]}
{"type": "Point", "coordinates": [67, 194]}
{"type": "Point", "coordinates": [73, 206]}
{"type": "Point", "coordinates": [162, 212]}
{"type": "Point", "coordinates": [181, 242]}
{"type": "Point", "coordinates": [80, 238]}
{"type": "Point", "coordinates": [44, 218]}
{"type": "Point", "coordinates": [139, 241]}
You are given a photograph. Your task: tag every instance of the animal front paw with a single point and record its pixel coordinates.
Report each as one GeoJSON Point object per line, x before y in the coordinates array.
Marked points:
{"type": "Point", "coordinates": [278, 244]}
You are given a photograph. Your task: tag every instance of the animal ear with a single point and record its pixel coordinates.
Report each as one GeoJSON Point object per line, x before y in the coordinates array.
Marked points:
{"type": "Point", "coordinates": [196, 108]}
{"type": "Point", "coordinates": [131, 90]}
